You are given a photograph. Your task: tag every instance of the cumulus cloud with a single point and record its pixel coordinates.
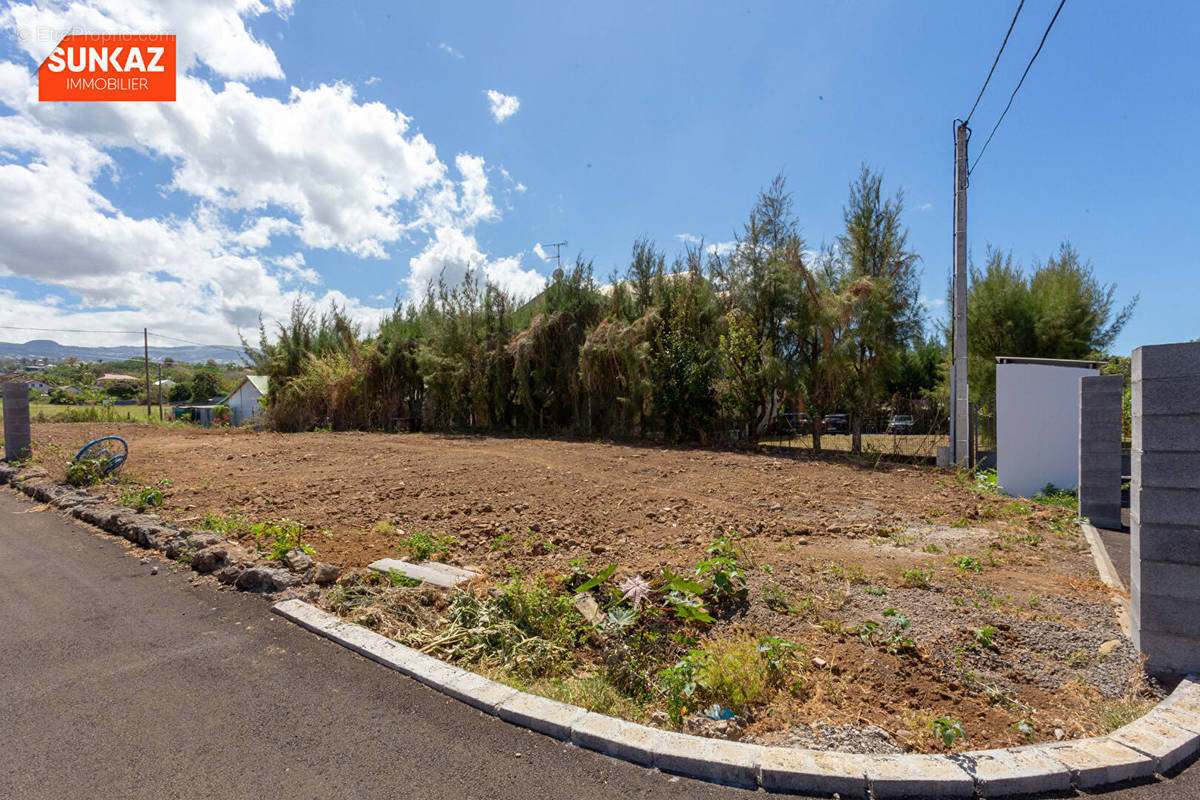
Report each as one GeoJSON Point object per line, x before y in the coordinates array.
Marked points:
{"type": "Point", "coordinates": [502, 105]}
{"type": "Point", "coordinates": [314, 169]}
{"type": "Point", "coordinates": [450, 51]}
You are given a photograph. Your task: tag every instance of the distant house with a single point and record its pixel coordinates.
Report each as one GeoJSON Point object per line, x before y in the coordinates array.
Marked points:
{"type": "Point", "coordinates": [71, 390]}
{"type": "Point", "coordinates": [243, 401]}
{"type": "Point", "coordinates": [165, 383]}
{"type": "Point", "coordinates": [41, 386]}
{"type": "Point", "coordinates": [110, 377]}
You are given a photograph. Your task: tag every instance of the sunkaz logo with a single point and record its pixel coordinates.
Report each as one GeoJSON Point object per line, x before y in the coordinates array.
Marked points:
{"type": "Point", "coordinates": [105, 67]}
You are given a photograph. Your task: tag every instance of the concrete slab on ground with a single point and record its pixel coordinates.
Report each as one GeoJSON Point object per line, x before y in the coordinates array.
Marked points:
{"type": "Point", "coordinates": [432, 572]}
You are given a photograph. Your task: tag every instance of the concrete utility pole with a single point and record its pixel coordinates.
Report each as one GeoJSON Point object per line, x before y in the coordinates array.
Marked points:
{"type": "Point", "coordinates": [960, 414]}
{"type": "Point", "coordinates": [146, 354]}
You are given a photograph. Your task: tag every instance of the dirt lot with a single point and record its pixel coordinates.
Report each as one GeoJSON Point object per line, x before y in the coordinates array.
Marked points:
{"type": "Point", "coordinates": [830, 545]}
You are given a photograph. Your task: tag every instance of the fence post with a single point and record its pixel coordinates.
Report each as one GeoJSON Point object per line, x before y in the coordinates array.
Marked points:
{"type": "Point", "coordinates": [1100, 449]}
{"type": "Point", "coordinates": [1164, 509]}
{"type": "Point", "coordinates": [17, 436]}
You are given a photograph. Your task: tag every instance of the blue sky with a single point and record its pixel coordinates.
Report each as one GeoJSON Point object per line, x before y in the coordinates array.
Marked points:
{"type": "Point", "coordinates": [660, 119]}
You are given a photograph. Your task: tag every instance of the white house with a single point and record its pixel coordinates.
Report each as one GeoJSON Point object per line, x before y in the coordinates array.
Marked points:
{"type": "Point", "coordinates": [243, 401]}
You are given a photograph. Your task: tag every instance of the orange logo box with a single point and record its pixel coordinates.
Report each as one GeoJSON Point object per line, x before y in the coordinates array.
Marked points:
{"type": "Point", "coordinates": [107, 67]}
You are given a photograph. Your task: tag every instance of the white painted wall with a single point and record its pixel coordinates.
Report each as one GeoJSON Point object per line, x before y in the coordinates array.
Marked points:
{"type": "Point", "coordinates": [244, 403]}
{"type": "Point", "coordinates": [1037, 426]}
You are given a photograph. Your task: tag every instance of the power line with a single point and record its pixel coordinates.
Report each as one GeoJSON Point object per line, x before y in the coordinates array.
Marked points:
{"type": "Point", "coordinates": [197, 344]}
{"type": "Point", "coordinates": [997, 61]}
{"type": "Point", "coordinates": [63, 330]}
{"type": "Point", "coordinates": [1014, 92]}
{"type": "Point", "coordinates": [123, 333]}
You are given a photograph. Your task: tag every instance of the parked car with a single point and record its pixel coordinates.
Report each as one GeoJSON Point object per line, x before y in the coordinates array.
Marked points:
{"type": "Point", "coordinates": [790, 423]}
{"type": "Point", "coordinates": [901, 423]}
{"type": "Point", "coordinates": [835, 423]}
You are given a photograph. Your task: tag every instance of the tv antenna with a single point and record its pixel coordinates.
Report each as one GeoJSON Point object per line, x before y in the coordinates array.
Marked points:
{"type": "Point", "coordinates": [558, 246]}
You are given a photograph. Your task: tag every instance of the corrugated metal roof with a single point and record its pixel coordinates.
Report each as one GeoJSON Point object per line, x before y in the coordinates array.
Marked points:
{"type": "Point", "coordinates": [260, 382]}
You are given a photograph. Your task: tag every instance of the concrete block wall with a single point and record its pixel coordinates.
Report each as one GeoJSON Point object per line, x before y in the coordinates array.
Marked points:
{"type": "Point", "coordinates": [1165, 507]}
{"type": "Point", "coordinates": [16, 421]}
{"type": "Point", "coordinates": [1100, 449]}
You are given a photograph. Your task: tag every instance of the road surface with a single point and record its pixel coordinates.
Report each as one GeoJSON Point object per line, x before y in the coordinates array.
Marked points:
{"type": "Point", "coordinates": [117, 683]}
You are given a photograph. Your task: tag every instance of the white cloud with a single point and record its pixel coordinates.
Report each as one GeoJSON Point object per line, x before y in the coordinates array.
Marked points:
{"type": "Point", "coordinates": [933, 302]}
{"type": "Point", "coordinates": [448, 50]}
{"type": "Point", "coordinates": [721, 248]}
{"type": "Point", "coordinates": [688, 238]}
{"type": "Point", "coordinates": [371, 81]}
{"type": "Point", "coordinates": [317, 169]}
{"type": "Point", "coordinates": [502, 105]}
{"type": "Point", "coordinates": [540, 252]}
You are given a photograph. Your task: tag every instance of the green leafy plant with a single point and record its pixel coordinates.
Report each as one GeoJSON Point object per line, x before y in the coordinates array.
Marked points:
{"type": "Point", "coordinates": [931, 548]}
{"type": "Point", "coordinates": [86, 471]}
{"type": "Point", "coordinates": [423, 545]}
{"type": "Point", "coordinates": [877, 591]}
{"type": "Point", "coordinates": [397, 578]}
{"type": "Point", "coordinates": [985, 636]}
{"type": "Point", "coordinates": [968, 563]}
{"type": "Point", "coordinates": [597, 579]}
{"type": "Point", "coordinates": [917, 578]}
{"type": "Point", "coordinates": [281, 537]}
{"type": "Point", "coordinates": [684, 596]}
{"type": "Point", "coordinates": [948, 730]}
{"type": "Point", "coordinates": [727, 579]}
{"type": "Point", "coordinates": [225, 526]}
{"type": "Point", "coordinates": [1054, 496]}
{"type": "Point", "coordinates": [146, 496]}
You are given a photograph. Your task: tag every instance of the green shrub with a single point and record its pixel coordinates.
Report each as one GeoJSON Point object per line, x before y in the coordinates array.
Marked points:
{"type": "Point", "coordinates": [86, 472]}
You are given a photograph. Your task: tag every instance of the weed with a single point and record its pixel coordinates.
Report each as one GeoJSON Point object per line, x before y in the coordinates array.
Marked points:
{"type": "Point", "coordinates": [985, 481]}
{"type": "Point", "coordinates": [1034, 601]}
{"type": "Point", "coordinates": [1032, 539]}
{"type": "Point", "coordinates": [948, 730]}
{"type": "Point", "coordinates": [225, 526]}
{"type": "Point", "coordinates": [931, 548]}
{"type": "Point", "coordinates": [684, 596]}
{"type": "Point", "coordinates": [961, 522]}
{"type": "Point", "coordinates": [385, 528]}
{"type": "Point", "coordinates": [889, 635]}
{"type": "Point", "coordinates": [917, 578]}
{"type": "Point", "coordinates": [1053, 496]}
{"type": "Point", "coordinates": [502, 541]}
{"type": "Point", "coordinates": [1016, 508]}
{"type": "Point", "coordinates": [850, 573]}
{"type": "Point", "coordinates": [727, 580]}
{"type": "Point", "coordinates": [86, 472]}
{"type": "Point", "coordinates": [1080, 657]}
{"type": "Point", "coordinates": [397, 578]}
{"type": "Point", "coordinates": [985, 636]}
{"type": "Point", "coordinates": [145, 497]}
{"type": "Point", "coordinates": [967, 564]}
{"type": "Point", "coordinates": [423, 545]}
{"type": "Point", "coordinates": [877, 591]}
{"type": "Point", "coordinates": [1024, 727]}
{"type": "Point", "coordinates": [283, 537]}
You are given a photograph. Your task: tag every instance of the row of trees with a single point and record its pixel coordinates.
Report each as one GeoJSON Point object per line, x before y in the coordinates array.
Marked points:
{"type": "Point", "coordinates": [703, 345]}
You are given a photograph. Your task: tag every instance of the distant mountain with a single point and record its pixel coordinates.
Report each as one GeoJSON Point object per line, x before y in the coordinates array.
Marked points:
{"type": "Point", "coordinates": [45, 348]}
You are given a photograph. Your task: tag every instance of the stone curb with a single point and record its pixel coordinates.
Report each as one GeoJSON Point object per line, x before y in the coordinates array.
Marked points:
{"type": "Point", "coordinates": [1156, 743]}
{"type": "Point", "coordinates": [1108, 575]}
{"type": "Point", "coordinates": [205, 552]}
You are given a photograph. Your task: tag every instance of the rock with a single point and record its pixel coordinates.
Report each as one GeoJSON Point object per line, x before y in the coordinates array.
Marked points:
{"type": "Point", "coordinates": [819, 662]}
{"type": "Point", "coordinates": [598, 548]}
{"type": "Point", "coordinates": [298, 560]}
{"type": "Point", "coordinates": [228, 574]}
{"type": "Point", "coordinates": [199, 541]}
{"type": "Point", "coordinates": [1108, 647]}
{"type": "Point", "coordinates": [265, 579]}
{"type": "Point", "coordinates": [714, 728]}
{"type": "Point", "coordinates": [210, 558]}
{"type": "Point", "coordinates": [660, 718]}
{"type": "Point", "coordinates": [1059, 734]}
{"type": "Point", "coordinates": [323, 574]}
{"type": "Point", "coordinates": [776, 507]}
{"type": "Point", "coordinates": [588, 608]}
{"type": "Point", "coordinates": [154, 570]}
{"type": "Point", "coordinates": [144, 561]}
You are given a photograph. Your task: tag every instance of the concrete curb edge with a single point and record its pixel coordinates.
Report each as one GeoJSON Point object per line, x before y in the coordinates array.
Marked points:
{"type": "Point", "coordinates": [1163, 738]}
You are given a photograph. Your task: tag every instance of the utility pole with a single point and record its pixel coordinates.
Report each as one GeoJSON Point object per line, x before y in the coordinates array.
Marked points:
{"type": "Point", "coordinates": [960, 414]}
{"type": "Point", "coordinates": [558, 246]}
{"type": "Point", "coordinates": [160, 408]}
{"type": "Point", "coordinates": [146, 354]}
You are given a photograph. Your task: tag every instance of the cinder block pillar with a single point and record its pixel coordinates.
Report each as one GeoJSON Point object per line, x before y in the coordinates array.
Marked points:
{"type": "Point", "coordinates": [16, 421]}
{"type": "Point", "coordinates": [1165, 507]}
{"type": "Point", "coordinates": [1100, 449]}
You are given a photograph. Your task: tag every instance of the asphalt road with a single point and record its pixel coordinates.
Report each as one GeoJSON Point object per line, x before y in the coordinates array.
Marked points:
{"type": "Point", "coordinates": [115, 683]}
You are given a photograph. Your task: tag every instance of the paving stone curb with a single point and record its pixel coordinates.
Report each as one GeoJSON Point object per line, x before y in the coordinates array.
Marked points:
{"type": "Point", "coordinates": [1156, 743]}
{"type": "Point", "coordinates": [205, 552]}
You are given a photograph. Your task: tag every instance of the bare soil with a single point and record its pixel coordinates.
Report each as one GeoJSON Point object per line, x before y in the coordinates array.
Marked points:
{"type": "Point", "coordinates": [835, 542]}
